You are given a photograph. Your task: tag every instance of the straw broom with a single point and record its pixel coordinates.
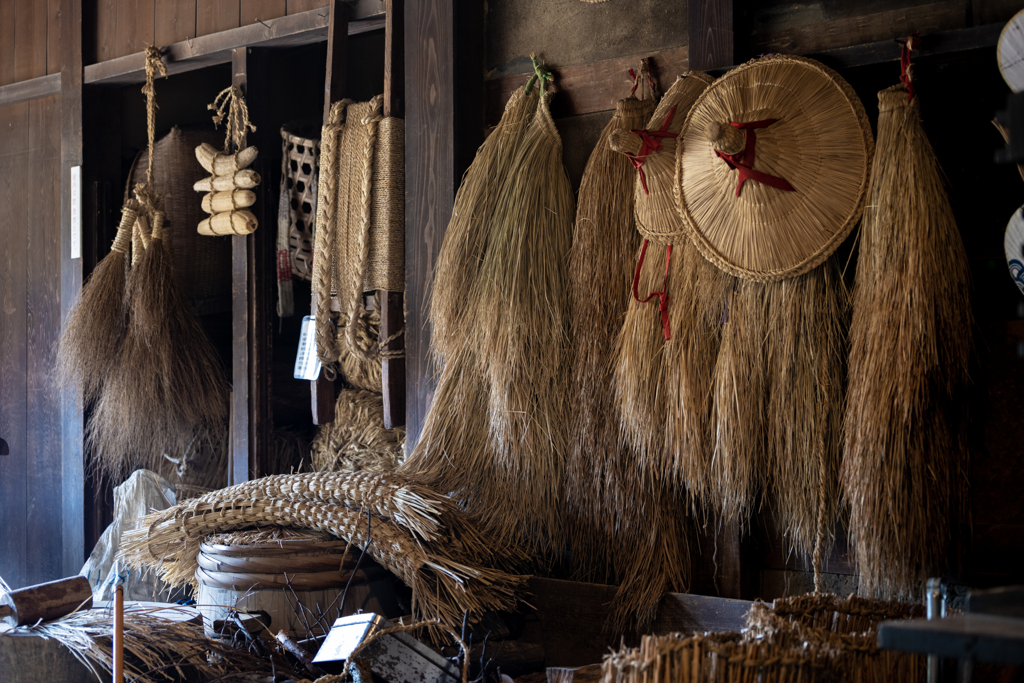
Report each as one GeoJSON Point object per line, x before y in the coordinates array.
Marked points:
{"type": "Point", "coordinates": [905, 465]}
{"type": "Point", "coordinates": [599, 473]}
{"type": "Point", "coordinates": [92, 335]}
{"type": "Point", "coordinates": [522, 330]}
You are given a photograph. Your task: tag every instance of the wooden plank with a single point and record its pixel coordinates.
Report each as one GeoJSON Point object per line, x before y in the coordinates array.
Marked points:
{"type": "Point", "coordinates": [13, 351]}
{"type": "Point", "coordinates": [135, 24]}
{"type": "Point", "coordinates": [977, 637]}
{"type": "Point", "coordinates": [106, 30]}
{"type": "Point", "coordinates": [932, 45]}
{"type": "Point", "coordinates": [710, 33]}
{"type": "Point", "coordinates": [30, 89]}
{"type": "Point", "coordinates": [6, 43]}
{"type": "Point", "coordinates": [826, 35]}
{"type": "Point", "coordinates": [44, 544]}
{"type": "Point", "coordinates": [214, 16]}
{"type": "Point", "coordinates": [71, 154]}
{"type": "Point", "coordinates": [588, 88]}
{"type": "Point", "coordinates": [298, 6]}
{"type": "Point", "coordinates": [53, 36]}
{"type": "Point", "coordinates": [241, 353]}
{"type": "Point", "coordinates": [198, 53]}
{"type": "Point", "coordinates": [174, 21]}
{"type": "Point", "coordinates": [392, 314]}
{"type": "Point", "coordinates": [29, 39]}
{"type": "Point", "coordinates": [253, 11]}
{"type": "Point", "coordinates": [570, 619]}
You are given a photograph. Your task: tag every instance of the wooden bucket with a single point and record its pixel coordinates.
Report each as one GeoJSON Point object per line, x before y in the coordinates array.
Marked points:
{"type": "Point", "coordinates": [297, 581]}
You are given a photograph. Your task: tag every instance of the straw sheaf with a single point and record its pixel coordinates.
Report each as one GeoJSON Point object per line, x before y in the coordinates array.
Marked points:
{"type": "Point", "coordinates": [446, 577]}
{"type": "Point", "coordinates": [462, 250]}
{"type": "Point", "coordinates": [600, 481]}
{"type": "Point", "coordinates": [357, 441]}
{"type": "Point", "coordinates": [522, 324]}
{"type": "Point", "coordinates": [905, 465]}
{"type": "Point", "coordinates": [821, 144]}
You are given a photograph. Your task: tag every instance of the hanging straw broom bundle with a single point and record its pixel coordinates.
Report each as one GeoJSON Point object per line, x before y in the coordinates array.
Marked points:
{"type": "Point", "coordinates": [905, 465]}
{"type": "Point", "coordinates": [166, 387]}
{"type": "Point", "coordinates": [600, 486]}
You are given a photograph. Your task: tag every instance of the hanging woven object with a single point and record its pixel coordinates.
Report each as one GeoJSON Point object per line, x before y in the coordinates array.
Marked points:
{"type": "Point", "coordinates": [165, 392]}
{"type": "Point", "coordinates": [229, 188]}
{"type": "Point", "coordinates": [360, 234]}
{"type": "Point", "coordinates": [601, 489]}
{"type": "Point", "coordinates": [772, 168]}
{"type": "Point", "coordinates": [905, 464]}
{"type": "Point", "coordinates": [296, 211]}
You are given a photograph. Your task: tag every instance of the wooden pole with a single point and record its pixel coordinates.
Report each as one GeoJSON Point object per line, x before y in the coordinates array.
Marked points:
{"type": "Point", "coordinates": [119, 634]}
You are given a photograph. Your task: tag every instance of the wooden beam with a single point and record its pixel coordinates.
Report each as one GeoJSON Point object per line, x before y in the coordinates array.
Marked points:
{"type": "Point", "coordinates": [188, 55]}
{"type": "Point", "coordinates": [710, 33]}
{"type": "Point", "coordinates": [588, 88]}
{"type": "Point", "coordinates": [392, 312]}
{"type": "Point", "coordinates": [31, 89]}
{"type": "Point", "coordinates": [71, 154]}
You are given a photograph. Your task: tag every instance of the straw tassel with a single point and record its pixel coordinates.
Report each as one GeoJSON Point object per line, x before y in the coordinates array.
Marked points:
{"type": "Point", "coordinates": [905, 465]}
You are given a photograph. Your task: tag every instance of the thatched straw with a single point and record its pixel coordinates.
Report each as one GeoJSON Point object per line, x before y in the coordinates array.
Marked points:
{"type": "Point", "coordinates": [446, 575]}
{"type": "Point", "coordinates": [599, 474]}
{"type": "Point", "coordinates": [158, 649]}
{"type": "Point", "coordinates": [905, 465]}
{"type": "Point", "coordinates": [461, 253]}
{"type": "Point", "coordinates": [357, 441]}
{"type": "Point", "coordinates": [96, 325]}
{"type": "Point", "coordinates": [167, 385]}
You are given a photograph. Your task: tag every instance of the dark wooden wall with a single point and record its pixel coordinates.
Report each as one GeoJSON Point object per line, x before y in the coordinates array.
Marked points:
{"type": "Point", "coordinates": [31, 545]}
{"type": "Point", "coordinates": [29, 39]}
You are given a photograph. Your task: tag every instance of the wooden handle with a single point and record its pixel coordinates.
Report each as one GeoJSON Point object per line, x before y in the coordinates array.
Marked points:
{"type": "Point", "coordinates": [119, 635]}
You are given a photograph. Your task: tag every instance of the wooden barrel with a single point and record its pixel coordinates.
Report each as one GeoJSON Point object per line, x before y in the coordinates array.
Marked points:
{"type": "Point", "coordinates": [297, 578]}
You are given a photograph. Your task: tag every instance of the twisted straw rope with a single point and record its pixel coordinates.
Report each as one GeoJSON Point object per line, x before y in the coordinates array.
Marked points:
{"type": "Point", "coordinates": [129, 212]}
{"type": "Point", "coordinates": [230, 104]}
{"type": "Point", "coordinates": [356, 311]}
{"type": "Point", "coordinates": [154, 64]}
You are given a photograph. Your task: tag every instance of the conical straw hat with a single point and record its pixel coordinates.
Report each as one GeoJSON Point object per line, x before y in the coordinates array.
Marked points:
{"type": "Point", "coordinates": [810, 133]}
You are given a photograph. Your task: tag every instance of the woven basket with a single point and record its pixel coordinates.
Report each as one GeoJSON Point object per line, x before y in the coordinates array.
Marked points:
{"type": "Point", "coordinates": [202, 267]}
{"type": "Point", "coordinates": [299, 178]}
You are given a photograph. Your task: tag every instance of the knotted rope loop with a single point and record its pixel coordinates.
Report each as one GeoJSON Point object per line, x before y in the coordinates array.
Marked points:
{"type": "Point", "coordinates": [230, 107]}
{"type": "Point", "coordinates": [540, 72]}
{"type": "Point", "coordinates": [743, 161]}
{"type": "Point", "coordinates": [906, 73]}
{"type": "Point", "coordinates": [662, 295]}
{"type": "Point", "coordinates": [154, 65]}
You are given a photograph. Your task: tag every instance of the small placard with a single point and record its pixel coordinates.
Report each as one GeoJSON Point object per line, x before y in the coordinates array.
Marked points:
{"type": "Point", "coordinates": [307, 365]}
{"type": "Point", "coordinates": [76, 212]}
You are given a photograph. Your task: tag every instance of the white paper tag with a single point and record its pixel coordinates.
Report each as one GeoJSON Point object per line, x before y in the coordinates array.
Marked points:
{"type": "Point", "coordinates": [307, 365]}
{"type": "Point", "coordinates": [76, 212]}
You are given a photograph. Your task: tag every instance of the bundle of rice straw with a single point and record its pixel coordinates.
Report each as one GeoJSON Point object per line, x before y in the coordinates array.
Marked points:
{"type": "Point", "coordinates": [357, 441]}
{"type": "Point", "coordinates": [905, 466]}
{"type": "Point", "coordinates": [599, 484]}
{"type": "Point", "coordinates": [419, 535]}
{"type": "Point", "coordinates": [158, 649]}
{"type": "Point", "coordinates": [495, 432]}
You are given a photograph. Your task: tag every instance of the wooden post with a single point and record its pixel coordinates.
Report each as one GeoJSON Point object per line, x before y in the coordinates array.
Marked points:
{"type": "Point", "coordinates": [251, 275]}
{"type": "Point", "coordinates": [392, 304]}
{"type": "Point", "coordinates": [322, 389]}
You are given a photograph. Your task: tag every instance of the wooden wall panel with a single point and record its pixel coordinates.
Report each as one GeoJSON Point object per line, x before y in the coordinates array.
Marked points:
{"type": "Point", "coordinates": [134, 29]}
{"type": "Point", "coordinates": [174, 21]}
{"type": "Point", "coordinates": [44, 511]}
{"type": "Point", "coordinates": [297, 6]}
{"type": "Point", "coordinates": [6, 43]}
{"type": "Point", "coordinates": [261, 10]}
{"type": "Point", "coordinates": [53, 33]}
{"type": "Point", "coordinates": [216, 15]}
{"type": "Point", "coordinates": [13, 351]}
{"type": "Point", "coordinates": [29, 39]}
{"type": "Point", "coordinates": [106, 30]}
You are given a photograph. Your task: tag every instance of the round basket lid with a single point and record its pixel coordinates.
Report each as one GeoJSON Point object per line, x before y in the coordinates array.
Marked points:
{"type": "Point", "coordinates": [1010, 52]}
{"type": "Point", "coordinates": [1013, 245]}
{"type": "Point", "coordinates": [772, 167]}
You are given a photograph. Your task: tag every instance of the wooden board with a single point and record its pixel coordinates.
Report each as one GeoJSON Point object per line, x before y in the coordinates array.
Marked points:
{"type": "Point", "coordinates": [214, 16]}
{"type": "Point", "coordinates": [174, 21]}
{"type": "Point", "coordinates": [6, 43]}
{"type": "Point", "coordinates": [53, 36]}
{"type": "Point", "coordinates": [106, 31]}
{"type": "Point", "coordinates": [29, 39]}
{"type": "Point", "coordinates": [710, 34]}
{"type": "Point", "coordinates": [253, 11]}
{"type": "Point", "coordinates": [297, 6]}
{"type": "Point", "coordinates": [135, 22]}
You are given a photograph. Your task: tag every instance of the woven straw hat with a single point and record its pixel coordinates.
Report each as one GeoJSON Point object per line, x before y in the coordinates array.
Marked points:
{"type": "Point", "coordinates": [807, 134]}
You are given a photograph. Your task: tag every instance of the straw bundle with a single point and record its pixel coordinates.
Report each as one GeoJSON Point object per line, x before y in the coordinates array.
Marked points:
{"type": "Point", "coordinates": [157, 648]}
{"type": "Point", "coordinates": [904, 470]}
{"type": "Point", "coordinates": [96, 325]}
{"type": "Point", "coordinates": [448, 574]}
{"type": "Point", "coordinates": [357, 441]}
{"type": "Point", "coordinates": [599, 473]}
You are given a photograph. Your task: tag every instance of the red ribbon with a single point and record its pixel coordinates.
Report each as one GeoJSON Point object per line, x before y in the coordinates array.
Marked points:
{"type": "Point", "coordinates": [662, 295]}
{"type": "Point", "coordinates": [651, 143]}
{"type": "Point", "coordinates": [909, 44]}
{"type": "Point", "coordinates": [744, 161]}
{"type": "Point", "coordinates": [284, 266]}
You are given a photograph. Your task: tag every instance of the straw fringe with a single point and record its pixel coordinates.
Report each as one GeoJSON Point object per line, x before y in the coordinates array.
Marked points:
{"type": "Point", "coordinates": [905, 466]}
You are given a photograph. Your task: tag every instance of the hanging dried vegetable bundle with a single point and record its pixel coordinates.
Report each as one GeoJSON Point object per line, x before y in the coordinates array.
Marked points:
{"type": "Point", "coordinates": [601, 489]}
{"type": "Point", "coordinates": [905, 465]}
{"type": "Point", "coordinates": [772, 170]}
